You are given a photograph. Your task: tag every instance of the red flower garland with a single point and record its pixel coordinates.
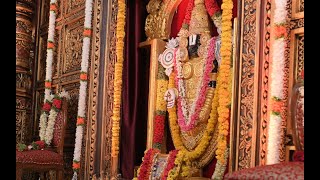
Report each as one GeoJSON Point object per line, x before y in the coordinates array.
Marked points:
{"type": "Point", "coordinates": [170, 164]}
{"type": "Point", "coordinates": [46, 106]}
{"type": "Point", "coordinates": [159, 129]}
{"type": "Point", "coordinates": [145, 167]}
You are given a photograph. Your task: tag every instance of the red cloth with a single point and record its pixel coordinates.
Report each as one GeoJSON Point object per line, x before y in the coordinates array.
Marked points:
{"type": "Point", "coordinates": [39, 157]}
{"type": "Point", "coordinates": [288, 170]}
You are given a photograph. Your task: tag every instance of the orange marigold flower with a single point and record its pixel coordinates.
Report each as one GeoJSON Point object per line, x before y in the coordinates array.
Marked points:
{"type": "Point", "coordinates": [83, 76]}
{"type": "Point", "coordinates": [47, 84]}
{"type": "Point", "coordinates": [276, 105]}
{"type": "Point", "coordinates": [76, 165]}
{"type": "Point", "coordinates": [280, 31]}
{"type": "Point", "coordinates": [53, 7]}
{"type": "Point", "coordinates": [80, 121]}
{"type": "Point", "coordinates": [50, 45]}
{"type": "Point", "coordinates": [87, 32]}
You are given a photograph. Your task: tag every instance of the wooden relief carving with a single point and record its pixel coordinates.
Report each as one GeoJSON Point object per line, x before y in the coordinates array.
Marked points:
{"type": "Point", "coordinates": [300, 62]}
{"type": "Point", "coordinates": [294, 55]}
{"type": "Point", "coordinates": [246, 106]}
{"type": "Point", "coordinates": [91, 145]}
{"type": "Point", "coordinates": [264, 84]}
{"type": "Point", "coordinates": [109, 90]}
{"type": "Point", "coordinates": [73, 46]}
{"type": "Point", "coordinates": [24, 46]}
{"type": "Point", "coordinates": [158, 22]}
{"type": "Point", "coordinates": [20, 126]}
{"type": "Point", "coordinates": [74, 4]}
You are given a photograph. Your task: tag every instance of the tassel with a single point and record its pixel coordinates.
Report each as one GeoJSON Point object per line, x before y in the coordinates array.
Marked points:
{"type": "Point", "coordinates": [75, 176]}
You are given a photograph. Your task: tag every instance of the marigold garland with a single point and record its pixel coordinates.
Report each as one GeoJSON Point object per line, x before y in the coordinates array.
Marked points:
{"type": "Point", "coordinates": [223, 79]}
{"type": "Point", "coordinates": [120, 33]}
{"type": "Point", "coordinates": [175, 130]}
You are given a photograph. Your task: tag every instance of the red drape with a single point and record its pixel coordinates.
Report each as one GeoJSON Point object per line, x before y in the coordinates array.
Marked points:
{"type": "Point", "coordinates": [135, 91]}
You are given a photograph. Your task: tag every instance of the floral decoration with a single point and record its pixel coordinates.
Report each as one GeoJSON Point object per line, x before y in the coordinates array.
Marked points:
{"type": "Point", "coordinates": [120, 33]}
{"type": "Point", "coordinates": [276, 83]}
{"type": "Point", "coordinates": [83, 87]}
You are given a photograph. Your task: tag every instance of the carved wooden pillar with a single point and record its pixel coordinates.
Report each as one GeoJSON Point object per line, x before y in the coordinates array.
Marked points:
{"type": "Point", "coordinates": [24, 15]}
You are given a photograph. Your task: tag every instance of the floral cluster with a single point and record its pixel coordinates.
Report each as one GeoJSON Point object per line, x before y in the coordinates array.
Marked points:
{"type": "Point", "coordinates": [170, 164]}
{"type": "Point", "coordinates": [35, 145]}
{"type": "Point", "coordinates": [145, 168]}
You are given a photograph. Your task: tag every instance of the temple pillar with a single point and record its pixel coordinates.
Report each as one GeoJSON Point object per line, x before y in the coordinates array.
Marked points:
{"type": "Point", "coordinates": [24, 44]}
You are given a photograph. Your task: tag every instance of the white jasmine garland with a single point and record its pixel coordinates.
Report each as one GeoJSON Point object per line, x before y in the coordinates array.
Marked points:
{"type": "Point", "coordinates": [276, 86]}
{"type": "Point", "coordinates": [50, 127]}
{"type": "Point", "coordinates": [274, 139]}
{"type": "Point", "coordinates": [43, 125]}
{"type": "Point", "coordinates": [49, 58]}
{"type": "Point", "coordinates": [83, 85]}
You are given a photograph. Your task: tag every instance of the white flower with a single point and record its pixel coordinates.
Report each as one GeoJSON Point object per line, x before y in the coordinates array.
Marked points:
{"type": "Point", "coordinates": [172, 43]}
{"type": "Point", "coordinates": [65, 94]}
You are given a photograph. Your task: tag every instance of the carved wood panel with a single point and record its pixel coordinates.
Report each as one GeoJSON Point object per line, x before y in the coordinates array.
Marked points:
{"type": "Point", "coordinates": [248, 128]}
{"type": "Point", "coordinates": [294, 54]}
{"type": "Point", "coordinates": [66, 64]}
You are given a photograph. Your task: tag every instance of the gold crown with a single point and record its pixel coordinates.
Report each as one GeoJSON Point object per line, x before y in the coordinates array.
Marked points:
{"type": "Point", "coordinates": [199, 22]}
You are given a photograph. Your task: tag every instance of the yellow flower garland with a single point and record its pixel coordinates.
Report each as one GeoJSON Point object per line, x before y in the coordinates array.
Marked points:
{"type": "Point", "coordinates": [223, 80]}
{"type": "Point", "coordinates": [120, 33]}
{"type": "Point", "coordinates": [175, 130]}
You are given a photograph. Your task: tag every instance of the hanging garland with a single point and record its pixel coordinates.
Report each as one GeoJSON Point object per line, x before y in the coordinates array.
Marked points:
{"type": "Point", "coordinates": [81, 118]}
{"type": "Point", "coordinates": [277, 80]}
{"type": "Point", "coordinates": [223, 80]}
{"type": "Point", "coordinates": [48, 79]}
{"type": "Point", "coordinates": [120, 33]}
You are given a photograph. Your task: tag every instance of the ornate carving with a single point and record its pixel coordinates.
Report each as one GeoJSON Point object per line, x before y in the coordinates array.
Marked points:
{"type": "Point", "coordinates": [22, 126]}
{"type": "Point", "coordinates": [265, 82]}
{"type": "Point", "coordinates": [158, 22]}
{"type": "Point", "coordinates": [73, 47]}
{"type": "Point", "coordinates": [90, 148]}
{"type": "Point", "coordinates": [23, 81]}
{"type": "Point", "coordinates": [298, 23]}
{"type": "Point", "coordinates": [74, 4]}
{"type": "Point", "coordinates": [247, 84]}
{"type": "Point", "coordinates": [300, 61]}
{"type": "Point", "coordinates": [109, 94]}
{"type": "Point", "coordinates": [301, 6]}
{"type": "Point", "coordinates": [23, 103]}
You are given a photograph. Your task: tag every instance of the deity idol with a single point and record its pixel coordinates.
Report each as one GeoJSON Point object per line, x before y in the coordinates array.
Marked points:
{"type": "Point", "coordinates": [191, 61]}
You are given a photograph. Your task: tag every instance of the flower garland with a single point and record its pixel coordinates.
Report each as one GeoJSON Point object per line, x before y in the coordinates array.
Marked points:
{"type": "Point", "coordinates": [161, 108]}
{"type": "Point", "coordinates": [120, 33]}
{"type": "Point", "coordinates": [83, 87]}
{"type": "Point", "coordinates": [223, 80]}
{"type": "Point", "coordinates": [187, 118]}
{"type": "Point", "coordinates": [145, 169]}
{"type": "Point", "coordinates": [50, 46]}
{"type": "Point", "coordinates": [276, 86]}
{"type": "Point", "coordinates": [175, 129]}
{"type": "Point", "coordinates": [55, 108]}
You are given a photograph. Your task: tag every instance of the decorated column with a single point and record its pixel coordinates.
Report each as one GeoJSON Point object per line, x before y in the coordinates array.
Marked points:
{"type": "Point", "coordinates": [24, 15]}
